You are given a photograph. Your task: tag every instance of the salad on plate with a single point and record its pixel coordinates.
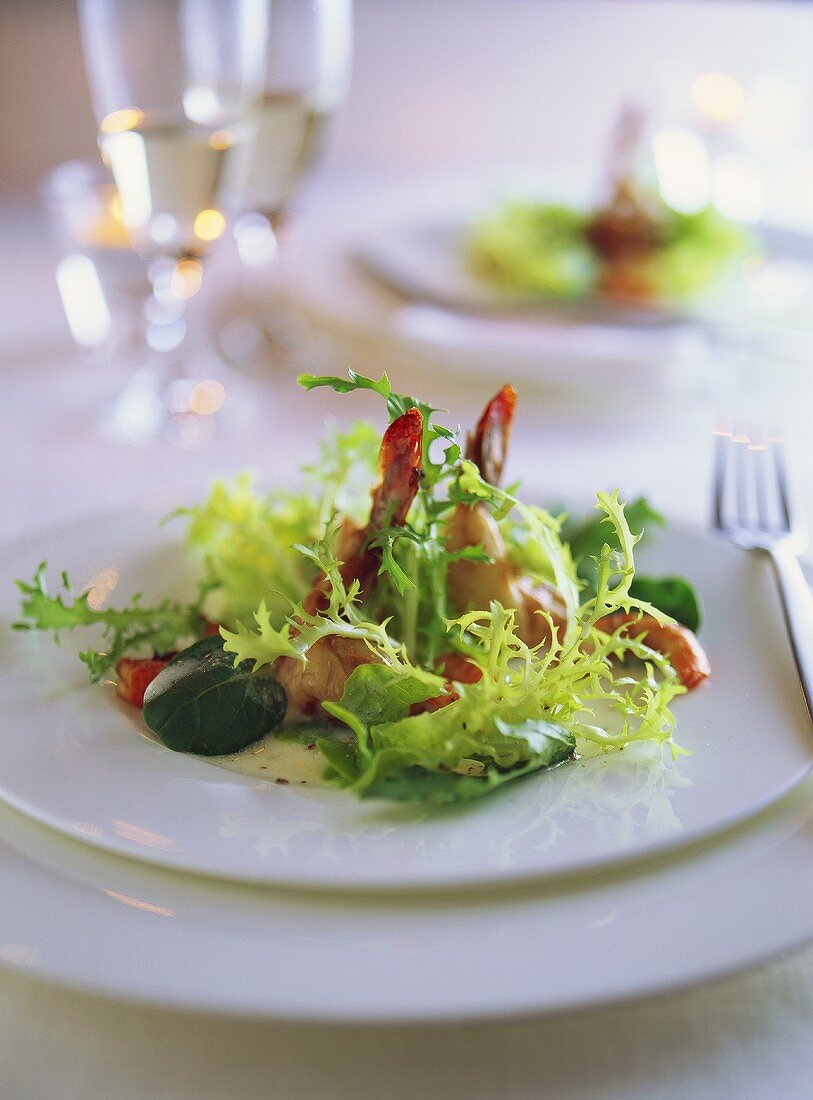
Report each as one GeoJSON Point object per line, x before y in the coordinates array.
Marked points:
{"type": "Point", "coordinates": [632, 248]}
{"type": "Point", "coordinates": [431, 641]}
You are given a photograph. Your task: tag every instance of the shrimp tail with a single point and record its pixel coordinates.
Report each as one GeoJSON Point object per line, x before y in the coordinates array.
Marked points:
{"type": "Point", "coordinates": [399, 470]}
{"type": "Point", "coordinates": [332, 659]}
{"type": "Point", "coordinates": [487, 445]}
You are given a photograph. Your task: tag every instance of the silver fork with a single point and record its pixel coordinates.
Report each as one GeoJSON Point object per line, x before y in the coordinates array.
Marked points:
{"type": "Point", "coordinates": [752, 508]}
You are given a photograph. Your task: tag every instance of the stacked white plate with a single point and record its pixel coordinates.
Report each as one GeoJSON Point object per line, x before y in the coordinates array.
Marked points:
{"type": "Point", "coordinates": [163, 878]}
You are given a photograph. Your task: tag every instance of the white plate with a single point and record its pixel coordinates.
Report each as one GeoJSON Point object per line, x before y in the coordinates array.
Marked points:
{"type": "Point", "coordinates": [424, 259]}
{"type": "Point", "coordinates": [79, 761]}
{"type": "Point", "coordinates": [437, 315]}
{"type": "Point", "coordinates": [86, 919]}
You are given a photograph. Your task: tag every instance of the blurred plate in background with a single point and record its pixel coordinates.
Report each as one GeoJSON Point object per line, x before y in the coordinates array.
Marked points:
{"type": "Point", "coordinates": [381, 263]}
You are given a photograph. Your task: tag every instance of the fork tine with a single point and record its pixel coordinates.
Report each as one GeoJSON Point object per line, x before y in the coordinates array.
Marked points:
{"type": "Point", "coordinates": [778, 453]}
{"type": "Point", "coordinates": [752, 502]}
{"type": "Point", "coordinates": [721, 442]}
{"type": "Point", "coordinates": [740, 443]}
{"type": "Point", "coordinates": [758, 451]}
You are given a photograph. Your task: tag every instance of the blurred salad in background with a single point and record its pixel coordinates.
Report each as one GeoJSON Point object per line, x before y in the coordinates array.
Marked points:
{"type": "Point", "coordinates": [632, 248]}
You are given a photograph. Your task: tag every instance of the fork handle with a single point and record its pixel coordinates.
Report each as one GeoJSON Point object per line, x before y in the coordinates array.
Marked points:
{"type": "Point", "coordinates": [797, 604]}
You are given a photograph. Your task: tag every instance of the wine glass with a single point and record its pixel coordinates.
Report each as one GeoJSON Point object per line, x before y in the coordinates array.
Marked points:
{"type": "Point", "coordinates": [307, 63]}
{"type": "Point", "coordinates": [173, 83]}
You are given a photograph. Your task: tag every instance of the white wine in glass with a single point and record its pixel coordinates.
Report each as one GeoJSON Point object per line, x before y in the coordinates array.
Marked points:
{"type": "Point", "coordinates": [173, 179]}
{"type": "Point", "coordinates": [288, 134]}
{"type": "Point", "coordinates": [174, 84]}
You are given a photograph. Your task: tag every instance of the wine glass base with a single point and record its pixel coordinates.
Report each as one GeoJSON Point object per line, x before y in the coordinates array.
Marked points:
{"type": "Point", "coordinates": [181, 411]}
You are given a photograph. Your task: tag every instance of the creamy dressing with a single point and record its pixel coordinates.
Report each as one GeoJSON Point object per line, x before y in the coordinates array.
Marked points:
{"type": "Point", "coordinates": [276, 761]}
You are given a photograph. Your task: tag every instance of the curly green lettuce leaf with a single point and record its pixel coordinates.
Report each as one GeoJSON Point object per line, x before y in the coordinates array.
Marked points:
{"type": "Point", "coordinates": [262, 643]}
{"type": "Point", "coordinates": [532, 248]}
{"type": "Point", "coordinates": [574, 677]}
{"type": "Point", "coordinates": [341, 476]}
{"type": "Point", "coordinates": [576, 686]}
{"type": "Point", "coordinates": [698, 250]}
{"type": "Point", "coordinates": [449, 755]}
{"type": "Point", "coordinates": [615, 567]}
{"type": "Point", "coordinates": [586, 537]}
{"type": "Point", "coordinates": [674, 596]}
{"type": "Point", "coordinates": [125, 630]}
{"type": "Point", "coordinates": [245, 540]}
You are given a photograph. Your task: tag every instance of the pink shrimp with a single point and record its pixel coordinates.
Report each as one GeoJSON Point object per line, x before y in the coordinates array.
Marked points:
{"type": "Point", "coordinates": [331, 660]}
{"type": "Point", "coordinates": [678, 643]}
{"type": "Point", "coordinates": [475, 584]}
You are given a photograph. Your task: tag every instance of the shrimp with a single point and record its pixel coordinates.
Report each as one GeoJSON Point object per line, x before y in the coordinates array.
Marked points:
{"type": "Point", "coordinates": [331, 660]}
{"type": "Point", "coordinates": [626, 231]}
{"type": "Point", "coordinates": [474, 584]}
{"type": "Point", "coordinates": [540, 609]}
{"type": "Point", "coordinates": [678, 643]}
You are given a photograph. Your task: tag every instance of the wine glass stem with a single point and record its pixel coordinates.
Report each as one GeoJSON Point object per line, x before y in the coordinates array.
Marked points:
{"type": "Point", "coordinates": [259, 247]}
{"type": "Point", "coordinates": [175, 284]}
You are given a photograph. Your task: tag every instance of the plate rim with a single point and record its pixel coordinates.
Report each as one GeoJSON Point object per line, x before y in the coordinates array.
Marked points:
{"type": "Point", "coordinates": [795, 805]}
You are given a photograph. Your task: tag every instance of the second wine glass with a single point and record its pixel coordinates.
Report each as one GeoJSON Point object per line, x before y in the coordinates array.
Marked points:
{"type": "Point", "coordinates": [306, 72]}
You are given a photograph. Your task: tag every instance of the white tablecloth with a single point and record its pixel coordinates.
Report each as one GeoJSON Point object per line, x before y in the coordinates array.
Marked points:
{"type": "Point", "coordinates": [748, 1036]}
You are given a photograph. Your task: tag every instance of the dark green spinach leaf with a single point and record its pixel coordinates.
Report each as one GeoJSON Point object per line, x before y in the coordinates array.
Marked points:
{"type": "Point", "coordinates": [439, 788]}
{"type": "Point", "coordinates": [201, 703]}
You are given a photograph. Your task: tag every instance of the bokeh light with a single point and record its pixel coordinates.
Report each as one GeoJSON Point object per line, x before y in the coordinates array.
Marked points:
{"type": "Point", "coordinates": [719, 97]}
{"type": "Point", "coordinates": [221, 139]}
{"type": "Point", "coordinates": [119, 121]}
{"type": "Point", "coordinates": [683, 169]}
{"type": "Point", "coordinates": [207, 398]}
{"type": "Point", "coordinates": [187, 278]}
{"type": "Point", "coordinates": [209, 225]}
